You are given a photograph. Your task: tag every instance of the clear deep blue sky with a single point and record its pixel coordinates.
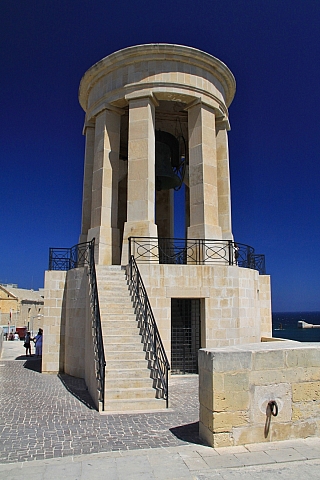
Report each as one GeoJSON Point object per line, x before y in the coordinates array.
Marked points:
{"type": "Point", "coordinates": [273, 49]}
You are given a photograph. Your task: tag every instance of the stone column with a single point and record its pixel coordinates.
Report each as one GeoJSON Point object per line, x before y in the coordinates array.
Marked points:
{"type": "Point", "coordinates": [141, 171]}
{"type": "Point", "coordinates": [87, 182]}
{"type": "Point", "coordinates": [224, 197]}
{"type": "Point", "coordinates": [204, 222]}
{"type": "Point", "coordinates": [104, 208]}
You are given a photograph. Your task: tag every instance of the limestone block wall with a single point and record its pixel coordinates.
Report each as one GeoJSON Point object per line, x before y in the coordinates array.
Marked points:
{"type": "Point", "coordinates": [67, 341]}
{"type": "Point", "coordinates": [233, 313]}
{"type": "Point", "coordinates": [54, 321]}
{"type": "Point", "coordinates": [76, 316]}
{"type": "Point", "coordinates": [236, 384]}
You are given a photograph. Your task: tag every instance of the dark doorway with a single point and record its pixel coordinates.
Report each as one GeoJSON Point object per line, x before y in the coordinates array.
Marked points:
{"type": "Point", "coordinates": [185, 335]}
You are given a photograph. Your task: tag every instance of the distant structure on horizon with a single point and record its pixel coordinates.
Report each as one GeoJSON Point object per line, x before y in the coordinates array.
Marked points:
{"type": "Point", "coordinates": [131, 295]}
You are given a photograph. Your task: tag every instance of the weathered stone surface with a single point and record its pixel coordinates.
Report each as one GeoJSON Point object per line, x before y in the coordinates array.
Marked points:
{"type": "Point", "coordinates": [239, 407]}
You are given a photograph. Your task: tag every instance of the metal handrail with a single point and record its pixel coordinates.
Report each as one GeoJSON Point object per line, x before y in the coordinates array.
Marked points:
{"type": "Point", "coordinates": [149, 329]}
{"type": "Point", "coordinates": [82, 255]}
{"type": "Point", "coordinates": [182, 251]}
{"type": "Point", "coordinates": [100, 360]}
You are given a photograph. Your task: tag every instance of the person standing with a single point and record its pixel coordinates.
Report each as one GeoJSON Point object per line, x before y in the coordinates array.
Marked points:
{"type": "Point", "coordinates": [27, 343]}
{"type": "Point", "coordinates": [38, 341]}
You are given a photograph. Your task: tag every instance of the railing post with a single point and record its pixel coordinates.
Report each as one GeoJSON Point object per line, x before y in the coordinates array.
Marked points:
{"type": "Point", "coordinates": [167, 384]}
{"type": "Point", "coordinates": [230, 245]}
{"type": "Point", "coordinates": [129, 249]}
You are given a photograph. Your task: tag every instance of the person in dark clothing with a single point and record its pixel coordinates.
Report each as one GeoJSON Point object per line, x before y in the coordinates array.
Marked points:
{"type": "Point", "coordinates": [27, 343]}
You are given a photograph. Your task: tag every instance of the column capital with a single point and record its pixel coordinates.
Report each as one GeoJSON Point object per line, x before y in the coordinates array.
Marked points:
{"type": "Point", "coordinates": [199, 101]}
{"type": "Point", "coordinates": [88, 124]}
{"type": "Point", "coordinates": [142, 94]}
{"type": "Point", "coordinates": [222, 123]}
{"type": "Point", "coordinates": [222, 120]}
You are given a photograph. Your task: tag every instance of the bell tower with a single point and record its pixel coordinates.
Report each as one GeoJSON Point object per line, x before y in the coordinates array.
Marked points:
{"type": "Point", "coordinates": [156, 157]}
{"type": "Point", "coordinates": [156, 122]}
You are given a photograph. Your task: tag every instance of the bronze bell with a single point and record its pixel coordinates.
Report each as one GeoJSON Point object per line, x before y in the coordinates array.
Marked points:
{"type": "Point", "coordinates": [167, 155]}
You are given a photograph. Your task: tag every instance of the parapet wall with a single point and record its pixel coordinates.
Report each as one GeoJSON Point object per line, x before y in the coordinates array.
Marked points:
{"type": "Point", "coordinates": [236, 383]}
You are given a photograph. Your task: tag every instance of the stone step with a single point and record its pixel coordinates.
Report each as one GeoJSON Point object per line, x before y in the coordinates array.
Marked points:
{"type": "Point", "coordinates": [115, 297]}
{"type": "Point", "coordinates": [120, 339]}
{"type": "Point", "coordinates": [124, 348]}
{"type": "Point", "coordinates": [127, 373]}
{"type": "Point", "coordinates": [113, 320]}
{"type": "Point", "coordinates": [115, 308]}
{"type": "Point", "coordinates": [121, 329]}
{"type": "Point", "coordinates": [124, 364]}
{"type": "Point", "coordinates": [125, 353]}
{"type": "Point", "coordinates": [120, 284]}
{"type": "Point", "coordinates": [112, 277]}
{"type": "Point", "coordinates": [135, 382]}
{"type": "Point", "coordinates": [130, 393]}
{"type": "Point", "coordinates": [141, 404]}
{"type": "Point", "coordinates": [119, 317]}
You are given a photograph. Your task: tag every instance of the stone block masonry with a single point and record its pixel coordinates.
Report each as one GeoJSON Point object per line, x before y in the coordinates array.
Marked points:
{"type": "Point", "coordinates": [236, 383]}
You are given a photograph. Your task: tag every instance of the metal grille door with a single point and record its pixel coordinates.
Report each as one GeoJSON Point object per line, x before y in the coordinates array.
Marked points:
{"type": "Point", "coordinates": [185, 335]}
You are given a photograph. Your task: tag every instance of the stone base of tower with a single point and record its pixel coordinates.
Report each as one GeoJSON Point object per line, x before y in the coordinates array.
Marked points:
{"type": "Point", "coordinates": [235, 302]}
{"type": "Point", "coordinates": [235, 308]}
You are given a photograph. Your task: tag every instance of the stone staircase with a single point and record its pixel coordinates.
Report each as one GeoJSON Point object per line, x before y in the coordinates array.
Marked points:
{"type": "Point", "coordinates": [130, 383]}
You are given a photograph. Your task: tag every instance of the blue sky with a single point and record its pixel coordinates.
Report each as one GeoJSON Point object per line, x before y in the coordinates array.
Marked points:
{"type": "Point", "coordinates": [272, 48]}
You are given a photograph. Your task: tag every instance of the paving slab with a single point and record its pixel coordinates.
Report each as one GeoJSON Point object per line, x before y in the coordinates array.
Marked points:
{"type": "Point", "coordinates": [282, 455]}
{"type": "Point", "coordinates": [254, 458]}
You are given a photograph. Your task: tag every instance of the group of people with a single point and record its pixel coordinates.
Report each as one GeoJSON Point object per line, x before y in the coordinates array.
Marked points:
{"type": "Point", "coordinates": [37, 341]}
{"type": "Point", "coordinates": [12, 336]}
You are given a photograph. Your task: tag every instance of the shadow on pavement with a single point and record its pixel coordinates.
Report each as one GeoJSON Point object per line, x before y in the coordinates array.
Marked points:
{"type": "Point", "coordinates": [188, 433]}
{"type": "Point", "coordinates": [78, 388]}
{"type": "Point", "coordinates": [31, 363]}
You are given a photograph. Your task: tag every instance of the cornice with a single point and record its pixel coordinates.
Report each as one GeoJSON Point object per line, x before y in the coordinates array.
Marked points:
{"type": "Point", "coordinates": [156, 52]}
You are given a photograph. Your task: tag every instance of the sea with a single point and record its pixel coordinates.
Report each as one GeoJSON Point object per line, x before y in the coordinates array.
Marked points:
{"type": "Point", "coordinates": [285, 325]}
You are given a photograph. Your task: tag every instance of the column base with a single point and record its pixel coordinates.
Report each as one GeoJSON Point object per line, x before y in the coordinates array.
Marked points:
{"type": "Point", "coordinates": [107, 245]}
{"type": "Point", "coordinates": [136, 229]}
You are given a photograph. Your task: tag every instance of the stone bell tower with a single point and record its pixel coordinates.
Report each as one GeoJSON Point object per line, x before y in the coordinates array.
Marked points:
{"type": "Point", "coordinates": [156, 121]}
{"type": "Point", "coordinates": [156, 163]}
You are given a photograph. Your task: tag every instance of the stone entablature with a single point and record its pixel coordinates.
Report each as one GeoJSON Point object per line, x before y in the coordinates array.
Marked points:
{"type": "Point", "coordinates": [169, 72]}
{"type": "Point", "coordinates": [236, 384]}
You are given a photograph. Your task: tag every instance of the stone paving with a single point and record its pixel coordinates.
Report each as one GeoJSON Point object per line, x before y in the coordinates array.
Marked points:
{"type": "Point", "coordinates": [49, 430]}
{"type": "Point", "coordinates": [47, 416]}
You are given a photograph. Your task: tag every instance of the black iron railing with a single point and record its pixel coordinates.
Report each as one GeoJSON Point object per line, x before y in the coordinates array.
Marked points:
{"type": "Point", "coordinates": [82, 255]}
{"type": "Point", "coordinates": [68, 258]}
{"type": "Point", "coordinates": [158, 361]}
{"type": "Point", "coordinates": [181, 251]}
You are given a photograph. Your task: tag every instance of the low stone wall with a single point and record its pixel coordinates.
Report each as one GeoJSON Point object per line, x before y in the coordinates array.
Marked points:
{"type": "Point", "coordinates": [236, 383]}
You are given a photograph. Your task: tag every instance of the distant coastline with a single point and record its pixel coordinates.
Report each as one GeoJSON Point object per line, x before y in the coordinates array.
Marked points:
{"type": "Point", "coordinates": [285, 325]}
